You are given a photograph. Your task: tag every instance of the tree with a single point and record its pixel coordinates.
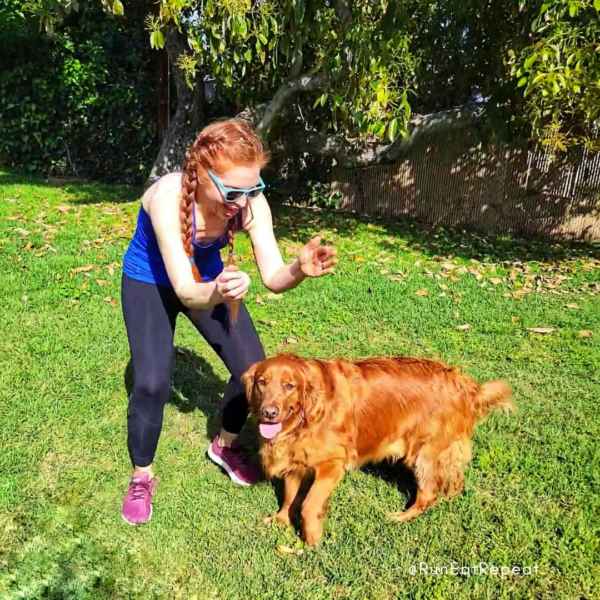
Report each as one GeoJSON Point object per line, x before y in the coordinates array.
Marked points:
{"type": "Point", "coordinates": [341, 78]}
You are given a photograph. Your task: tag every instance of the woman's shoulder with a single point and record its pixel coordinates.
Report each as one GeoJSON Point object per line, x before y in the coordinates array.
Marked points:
{"type": "Point", "coordinates": [168, 187]}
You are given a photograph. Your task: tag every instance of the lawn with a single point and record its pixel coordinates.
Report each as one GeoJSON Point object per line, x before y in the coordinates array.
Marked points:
{"type": "Point", "coordinates": [532, 494]}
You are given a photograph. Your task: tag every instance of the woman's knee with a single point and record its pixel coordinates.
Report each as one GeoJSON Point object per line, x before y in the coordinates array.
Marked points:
{"type": "Point", "coordinates": [153, 390]}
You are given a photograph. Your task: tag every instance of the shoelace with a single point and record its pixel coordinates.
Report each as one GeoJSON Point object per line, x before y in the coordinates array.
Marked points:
{"type": "Point", "coordinates": [139, 489]}
{"type": "Point", "coordinates": [236, 457]}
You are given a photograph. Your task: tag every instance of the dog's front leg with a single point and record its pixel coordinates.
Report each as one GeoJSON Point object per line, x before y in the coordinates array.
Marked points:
{"type": "Point", "coordinates": [327, 476]}
{"type": "Point", "coordinates": [292, 484]}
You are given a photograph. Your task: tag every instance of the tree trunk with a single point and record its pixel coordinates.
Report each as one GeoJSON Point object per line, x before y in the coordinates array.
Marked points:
{"type": "Point", "coordinates": [187, 120]}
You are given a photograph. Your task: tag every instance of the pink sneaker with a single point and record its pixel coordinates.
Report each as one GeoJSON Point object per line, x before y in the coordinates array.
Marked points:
{"type": "Point", "coordinates": [137, 506]}
{"type": "Point", "coordinates": [234, 462]}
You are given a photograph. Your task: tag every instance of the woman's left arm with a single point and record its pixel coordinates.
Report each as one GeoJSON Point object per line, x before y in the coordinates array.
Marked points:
{"type": "Point", "coordinates": [313, 259]}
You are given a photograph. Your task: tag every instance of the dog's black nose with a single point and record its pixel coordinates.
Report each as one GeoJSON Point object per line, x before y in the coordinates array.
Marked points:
{"type": "Point", "coordinates": [270, 412]}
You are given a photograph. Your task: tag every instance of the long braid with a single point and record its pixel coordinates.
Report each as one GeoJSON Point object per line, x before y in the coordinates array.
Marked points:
{"type": "Point", "coordinates": [188, 199]}
{"type": "Point", "coordinates": [234, 305]}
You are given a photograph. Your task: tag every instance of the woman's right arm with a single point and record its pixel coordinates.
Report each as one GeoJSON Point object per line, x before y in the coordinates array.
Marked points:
{"type": "Point", "coordinates": [163, 208]}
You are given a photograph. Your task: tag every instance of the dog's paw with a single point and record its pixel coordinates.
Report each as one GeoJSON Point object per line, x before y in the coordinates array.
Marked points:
{"type": "Point", "coordinates": [280, 517]}
{"type": "Point", "coordinates": [404, 516]}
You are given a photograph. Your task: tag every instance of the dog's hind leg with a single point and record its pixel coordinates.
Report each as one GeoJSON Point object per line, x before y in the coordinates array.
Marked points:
{"type": "Point", "coordinates": [452, 463]}
{"type": "Point", "coordinates": [428, 483]}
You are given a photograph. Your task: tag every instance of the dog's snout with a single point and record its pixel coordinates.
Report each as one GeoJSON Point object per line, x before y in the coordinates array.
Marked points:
{"type": "Point", "coordinates": [270, 412]}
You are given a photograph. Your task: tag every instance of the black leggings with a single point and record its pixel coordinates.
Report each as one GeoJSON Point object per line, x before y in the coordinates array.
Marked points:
{"type": "Point", "coordinates": [150, 313]}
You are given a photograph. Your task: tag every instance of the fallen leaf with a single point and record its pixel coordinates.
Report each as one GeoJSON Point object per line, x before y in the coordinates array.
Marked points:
{"type": "Point", "coordinates": [464, 327]}
{"type": "Point", "coordinates": [25, 298]}
{"type": "Point", "coordinates": [496, 281]}
{"type": "Point", "coordinates": [12, 218]}
{"type": "Point", "coordinates": [358, 259]}
{"type": "Point", "coordinates": [442, 295]}
{"type": "Point", "coordinates": [58, 277]}
{"type": "Point", "coordinates": [113, 303]}
{"type": "Point", "coordinates": [63, 209]}
{"type": "Point", "coordinates": [423, 292]}
{"type": "Point", "coordinates": [418, 263]}
{"type": "Point", "coordinates": [572, 305]}
{"type": "Point", "coordinates": [515, 319]}
{"type": "Point", "coordinates": [384, 272]}
{"type": "Point", "coordinates": [521, 293]}
{"type": "Point", "coordinates": [22, 231]}
{"type": "Point", "coordinates": [273, 296]}
{"type": "Point", "coordinates": [449, 266]}
{"type": "Point", "coordinates": [288, 550]}
{"type": "Point", "coordinates": [443, 286]}
{"type": "Point", "coordinates": [507, 295]}
{"type": "Point", "coordinates": [462, 271]}
{"type": "Point", "coordinates": [111, 271]}
{"type": "Point", "coordinates": [259, 301]}
{"type": "Point", "coordinates": [27, 246]}
{"type": "Point", "coordinates": [108, 299]}
{"type": "Point", "coordinates": [428, 272]}
{"type": "Point", "coordinates": [454, 278]}
{"type": "Point", "coordinates": [82, 269]}
{"type": "Point", "coordinates": [541, 329]}
{"type": "Point", "coordinates": [100, 282]}
{"type": "Point", "coordinates": [290, 341]}
{"type": "Point", "coordinates": [586, 333]}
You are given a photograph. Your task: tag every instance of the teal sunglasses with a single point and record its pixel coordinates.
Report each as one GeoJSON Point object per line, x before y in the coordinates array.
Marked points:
{"type": "Point", "coordinates": [234, 194]}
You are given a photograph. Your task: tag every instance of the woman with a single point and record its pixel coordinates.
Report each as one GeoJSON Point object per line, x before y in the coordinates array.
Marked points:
{"type": "Point", "coordinates": [173, 265]}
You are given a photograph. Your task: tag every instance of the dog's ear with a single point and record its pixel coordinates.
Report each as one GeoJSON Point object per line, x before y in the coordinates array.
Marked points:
{"type": "Point", "coordinates": [312, 395]}
{"type": "Point", "coordinates": [248, 380]}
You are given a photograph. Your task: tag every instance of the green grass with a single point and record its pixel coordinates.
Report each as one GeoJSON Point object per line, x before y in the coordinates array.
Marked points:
{"type": "Point", "coordinates": [532, 493]}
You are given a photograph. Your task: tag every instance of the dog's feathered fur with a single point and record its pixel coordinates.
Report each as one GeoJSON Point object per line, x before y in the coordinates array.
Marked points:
{"type": "Point", "coordinates": [337, 415]}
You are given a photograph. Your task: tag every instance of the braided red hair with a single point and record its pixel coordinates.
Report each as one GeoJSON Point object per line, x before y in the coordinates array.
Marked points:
{"type": "Point", "coordinates": [218, 146]}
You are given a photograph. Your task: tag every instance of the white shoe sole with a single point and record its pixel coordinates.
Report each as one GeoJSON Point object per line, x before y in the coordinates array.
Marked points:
{"type": "Point", "coordinates": [134, 524]}
{"type": "Point", "coordinates": [224, 465]}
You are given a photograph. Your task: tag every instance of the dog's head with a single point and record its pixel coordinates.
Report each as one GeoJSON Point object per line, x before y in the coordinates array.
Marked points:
{"type": "Point", "coordinates": [278, 390]}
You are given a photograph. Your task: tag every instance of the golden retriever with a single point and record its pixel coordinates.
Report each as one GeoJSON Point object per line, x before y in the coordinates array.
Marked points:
{"type": "Point", "coordinates": [323, 417]}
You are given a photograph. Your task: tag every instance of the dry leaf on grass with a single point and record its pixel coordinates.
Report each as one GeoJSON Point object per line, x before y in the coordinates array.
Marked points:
{"type": "Point", "coordinates": [290, 341]}
{"type": "Point", "coordinates": [572, 305]}
{"type": "Point", "coordinates": [273, 296]}
{"type": "Point", "coordinates": [288, 550]}
{"type": "Point", "coordinates": [586, 333]}
{"type": "Point", "coordinates": [541, 329]}
{"type": "Point", "coordinates": [82, 269]}
{"type": "Point", "coordinates": [22, 231]}
{"type": "Point", "coordinates": [63, 209]}
{"type": "Point", "coordinates": [358, 259]}
{"type": "Point", "coordinates": [464, 327]}
{"type": "Point", "coordinates": [423, 292]}
{"type": "Point", "coordinates": [443, 286]}
{"type": "Point", "coordinates": [384, 272]}
{"type": "Point", "coordinates": [259, 301]}
{"type": "Point", "coordinates": [515, 319]}
{"type": "Point", "coordinates": [496, 281]}
{"type": "Point", "coordinates": [442, 295]}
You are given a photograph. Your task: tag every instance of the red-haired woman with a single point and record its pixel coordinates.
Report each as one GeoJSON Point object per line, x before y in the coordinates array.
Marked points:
{"type": "Point", "coordinates": [173, 265]}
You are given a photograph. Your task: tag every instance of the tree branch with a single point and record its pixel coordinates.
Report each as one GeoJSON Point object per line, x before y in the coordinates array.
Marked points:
{"type": "Point", "coordinates": [344, 14]}
{"type": "Point", "coordinates": [304, 83]}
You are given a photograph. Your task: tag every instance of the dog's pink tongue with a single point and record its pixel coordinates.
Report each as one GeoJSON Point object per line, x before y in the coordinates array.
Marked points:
{"type": "Point", "coordinates": [270, 430]}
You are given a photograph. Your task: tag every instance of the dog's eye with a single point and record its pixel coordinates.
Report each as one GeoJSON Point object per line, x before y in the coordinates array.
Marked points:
{"type": "Point", "coordinates": [289, 386]}
{"type": "Point", "coordinates": [261, 381]}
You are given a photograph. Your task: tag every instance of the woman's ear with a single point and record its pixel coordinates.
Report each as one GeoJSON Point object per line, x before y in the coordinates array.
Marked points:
{"type": "Point", "coordinates": [248, 380]}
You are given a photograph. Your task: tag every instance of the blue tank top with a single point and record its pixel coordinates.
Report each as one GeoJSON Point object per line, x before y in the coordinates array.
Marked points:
{"type": "Point", "coordinates": [143, 261]}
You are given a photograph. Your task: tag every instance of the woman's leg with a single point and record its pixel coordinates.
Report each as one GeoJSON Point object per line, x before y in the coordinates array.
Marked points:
{"type": "Point", "coordinates": [150, 314]}
{"type": "Point", "coordinates": [239, 347]}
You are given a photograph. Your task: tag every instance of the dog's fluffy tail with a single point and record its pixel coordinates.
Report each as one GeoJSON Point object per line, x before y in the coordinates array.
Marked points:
{"type": "Point", "coordinates": [493, 395]}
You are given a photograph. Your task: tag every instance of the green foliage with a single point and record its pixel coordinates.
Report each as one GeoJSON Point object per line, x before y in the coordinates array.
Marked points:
{"type": "Point", "coordinates": [560, 73]}
{"type": "Point", "coordinates": [252, 49]}
{"type": "Point", "coordinates": [78, 102]}
{"type": "Point", "coordinates": [320, 195]}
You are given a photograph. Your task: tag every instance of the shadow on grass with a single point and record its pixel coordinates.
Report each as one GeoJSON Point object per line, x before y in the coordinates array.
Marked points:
{"type": "Point", "coordinates": [80, 192]}
{"type": "Point", "coordinates": [299, 224]}
{"type": "Point", "coordinates": [431, 240]}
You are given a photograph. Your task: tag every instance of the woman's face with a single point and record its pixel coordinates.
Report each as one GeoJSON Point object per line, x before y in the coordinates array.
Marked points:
{"type": "Point", "coordinates": [240, 177]}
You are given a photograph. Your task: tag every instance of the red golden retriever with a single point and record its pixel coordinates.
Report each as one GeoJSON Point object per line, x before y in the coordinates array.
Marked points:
{"type": "Point", "coordinates": [320, 418]}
